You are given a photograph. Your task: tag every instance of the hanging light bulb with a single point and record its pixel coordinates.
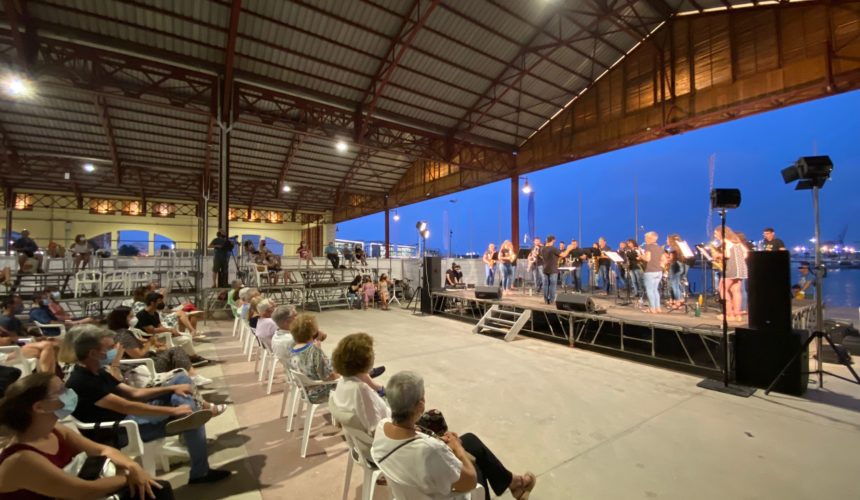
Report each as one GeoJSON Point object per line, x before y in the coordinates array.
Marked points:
{"type": "Point", "coordinates": [396, 216]}
{"type": "Point", "coordinates": [527, 188]}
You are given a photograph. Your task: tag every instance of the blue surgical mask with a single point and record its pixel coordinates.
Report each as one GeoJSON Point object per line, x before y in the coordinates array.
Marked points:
{"type": "Point", "coordinates": [44, 302]}
{"type": "Point", "coordinates": [69, 398]}
{"type": "Point", "coordinates": [108, 359]}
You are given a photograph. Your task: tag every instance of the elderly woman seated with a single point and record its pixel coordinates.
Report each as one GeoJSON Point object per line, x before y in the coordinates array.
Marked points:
{"type": "Point", "coordinates": [353, 358]}
{"type": "Point", "coordinates": [31, 466]}
{"type": "Point", "coordinates": [308, 358]}
{"type": "Point", "coordinates": [439, 467]}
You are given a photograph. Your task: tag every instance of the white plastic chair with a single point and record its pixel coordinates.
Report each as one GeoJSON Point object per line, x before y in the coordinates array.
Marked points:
{"type": "Point", "coordinates": [26, 365]}
{"type": "Point", "coordinates": [138, 278]}
{"type": "Point", "coordinates": [158, 378]}
{"type": "Point", "coordinates": [250, 343]}
{"type": "Point", "coordinates": [303, 383]}
{"type": "Point", "coordinates": [145, 453]}
{"type": "Point", "coordinates": [257, 276]}
{"type": "Point", "coordinates": [115, 281]}
{"type": "Point", "coordinates": [266, 355]}
{"type": "Point", "coordinates": [85, 280]}
{"type": "Point", "coordinates": [52, 327]}
{"type": "Point", "coordinates": [358, 442]}
{"type": "Point", "coordinates": [289, 389]}
{"type": "Point", "coordinates": [405, 492]}
{"type": "Point", "coordinates": [180, 279]}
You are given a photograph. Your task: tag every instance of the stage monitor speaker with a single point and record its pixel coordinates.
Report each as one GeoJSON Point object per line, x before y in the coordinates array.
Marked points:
{"type": "Point", "coordinates": [770, 291]}
{"type": "Point", "coordinates": [432, 281]}
{"type": "Point", "coordinates": [574, 302]}
{"type": "Point", "coordinates": [488, 292]}
{"type": "Point", "coordinates": [761, 354]}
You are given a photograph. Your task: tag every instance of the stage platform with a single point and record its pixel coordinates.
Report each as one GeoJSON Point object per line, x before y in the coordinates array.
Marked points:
{"type": "Point", "coordinates": [677, 340]}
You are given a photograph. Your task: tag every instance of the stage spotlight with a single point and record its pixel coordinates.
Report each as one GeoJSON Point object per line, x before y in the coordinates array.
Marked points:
{"type": "Point", "coordinates": [17, 87]}
{"type": "Point", "coordinates": [527, 189]}
{"type": "Point", "coordinates": [725, 198]}
{"type": "Point", "coordinates": [425, 234]}
{"type": "Point", "coordinates": [341, 146]}
{"type": "Point", "coordinates": [89, 168]}
{"type": "Point", "coordinates": [420, 226]}
{"type": "Point", "coordinates": [810, 171]}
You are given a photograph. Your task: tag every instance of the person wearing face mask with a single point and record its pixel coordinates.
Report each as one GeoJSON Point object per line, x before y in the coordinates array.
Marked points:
{"type": "Point", "coordinates": [31, 465]}
{"type": "Point", "coordinates": [53, 296]}
{"type": "Point", "coordinates": [149, 321]}
{"type": "Point", "coordinates": [158, 411]}
{"type": "Point", "coordinates": [223, 249]}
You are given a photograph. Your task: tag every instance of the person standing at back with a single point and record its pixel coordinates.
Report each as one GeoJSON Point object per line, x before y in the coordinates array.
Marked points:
{"type": "Point", "coordinates": [551, 255]}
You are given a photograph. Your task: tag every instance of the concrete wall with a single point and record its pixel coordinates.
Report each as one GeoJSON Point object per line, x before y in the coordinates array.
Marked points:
{"type": "Point", "coordinates": [61, 226]}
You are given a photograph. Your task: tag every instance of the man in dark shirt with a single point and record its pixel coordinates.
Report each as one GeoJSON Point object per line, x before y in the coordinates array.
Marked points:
{"type": "Point", "coordinates": [771, 242]}
{"type": "Point", "coordinates": [551, 256]}
{"type": "Point", "coordinates": [536, 264]}
{"type": "Point", "coordinates": [26, 249]}
{"type": "Point", "coordinates": [11, 306]}
{"type": "Point", "coordinates": [578, 256]}
{"type": "Point", "coordinates": [603, 264]}
{"type": "Point", "coordinates": [223, 249]}
{"type": "Point", "coordinates": [158, 411]}
{"type": "Point", "coordinates": [453, 276]}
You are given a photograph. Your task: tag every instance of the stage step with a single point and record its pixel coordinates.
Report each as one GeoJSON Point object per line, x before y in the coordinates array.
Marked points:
{"type": "Point", "coordinates": [492, 321]}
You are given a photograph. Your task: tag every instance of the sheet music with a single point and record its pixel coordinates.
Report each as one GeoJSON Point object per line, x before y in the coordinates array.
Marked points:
{"type": "Point", "coordinates": [685, 250]}
{"type": "Point", "coordinates": [614, 257]}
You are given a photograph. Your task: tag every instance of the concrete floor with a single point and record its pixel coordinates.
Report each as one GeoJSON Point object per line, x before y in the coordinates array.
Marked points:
{"type": "Point", "coordinates": [590, 426]}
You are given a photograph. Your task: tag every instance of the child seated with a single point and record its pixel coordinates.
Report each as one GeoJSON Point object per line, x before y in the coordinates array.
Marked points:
{"type": "Point", "coordinates": [382, 288]}
{"type": "Point", "coordinates": [368, 290]}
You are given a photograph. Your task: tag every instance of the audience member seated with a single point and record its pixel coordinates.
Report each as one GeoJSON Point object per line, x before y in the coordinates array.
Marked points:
{"type": "Point", "coordinates": [438, 467]}
{"type": "Point", "coordinates": [304, 253]}
{"type": "Point", "coordinates": [44, 350]}
{"type": "Point", "coordinates": [266, 326]}
{"type": "Point", "coordinates": [41, 313]}
{"type": "Point", "coordinates": [82, 252]}
{"type": "Point", "coordinates": [306, 356]}
{"type": "Point", "coordinates": [330, 252]}
{"type": "Point", "coordinates": [283, 341]}
{"type": "Point", "coordinates": [55, 250]}
{"type": "Point", "coordinates": [6, 277]}
{"type": "Point", "coordinates": [353, 358]}
{"type": "Point", "coordinates": [31, 464]}
{"type": "Point", "coordinates": [382, 291]}
{"type": "Point", "coordinates": [360, 256]}
{"type": "Point", "coordinates": [158, 411]}
{"type": "Point", "coordinates": [233, 295]}
{"type": "Point", "coordinates": [171, 319]}
{"type": "Point", "coordinates": [354, 288]}
{"type": "Point", "coordinates": [253, 313]}
{"type": "Point", "coordinates": [149, 320]}
{"type": "Point", "coordinates": [26, 249]}
{"type": "Point", "coordinates": [368, 293]}
{"type": "Point", "coordinates": [53, 296]}
{"type": "Point", "coordinates": [138, 345]}
{"type": "Point", "coordinates": [12, 305]}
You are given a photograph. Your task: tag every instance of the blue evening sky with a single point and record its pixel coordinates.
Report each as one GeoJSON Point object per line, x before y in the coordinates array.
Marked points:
{"type": "Point", "coordinates": [672, 178]}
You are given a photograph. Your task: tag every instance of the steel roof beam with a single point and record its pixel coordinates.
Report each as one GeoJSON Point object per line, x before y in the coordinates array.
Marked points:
{"type": "Point", "coordinates": [104, 118]}
{"type": "Point", "coordinates": [26, 43]}
{"type": "Point", "coordinates": [229, 59]}
{"type": "Point", "coordinates": [295, 145]}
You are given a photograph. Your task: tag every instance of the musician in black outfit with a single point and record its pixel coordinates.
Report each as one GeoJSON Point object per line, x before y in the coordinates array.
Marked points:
{"type": "Point", "coordinates": [771, 242]}
{"type": "Point", "coordinates": [637, 276]}
{"type": "Point", "coordinates": [603, 264]}
{"type": "Point", "coordinates": [577, 257]}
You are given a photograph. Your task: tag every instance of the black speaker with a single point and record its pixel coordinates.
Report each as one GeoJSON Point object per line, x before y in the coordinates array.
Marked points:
{"type": "Point", "coordinates": [488, 292]}
{"type": "Point", "coordinates": [574, 302]}
{"type": "Point", "coordinates": [432, 281]}
{"type": "Point", "coordinates": [725, 198]}
{"type": "Point", "coordinates": [769, 291]}
{"type": "Point", "coordinates": [760, 355]}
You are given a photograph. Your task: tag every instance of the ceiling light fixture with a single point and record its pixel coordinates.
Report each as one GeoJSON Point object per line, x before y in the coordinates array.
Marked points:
{"type": "Point", "coordinates": [17, 87]}
{"type": "Point", "coordinates": [89, 168]}
{"type": "Point", "coordinates": [341, 146]}
{"type": "Point", "coordinates": [286, 188]}
{"type": "Point", "coordinates": [527, 189]}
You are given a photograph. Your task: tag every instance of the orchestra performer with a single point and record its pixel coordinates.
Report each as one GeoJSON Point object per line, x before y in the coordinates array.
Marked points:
{"type": "Point", "coordinates": [561, 262]}
{"type": "Point", "coordinates": [536, 264]}
{"type": "Point", "coordinates": [603, 264]}
{"type": "Point", "coordinates": [634, 265]}
{"type": "Point", "coordinates": [507, 257]}
{"type": "Point", "coordinates": [489, 259]}
{"type": "Point", "coordinates": [653, 257]}
{"type": "Point", "coordinates": [735, 271]}
{"type": "Point", "coordinates": [578, 256]}
{"type": "Point", "coordinates": [678, 267]}
{"type": "Point", "coordinates": [771, 242]}
{"type": "Point", "coordinates": [551, 256]}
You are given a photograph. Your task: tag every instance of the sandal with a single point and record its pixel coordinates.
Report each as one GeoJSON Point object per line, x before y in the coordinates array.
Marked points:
{"type": "Point", "coordinates": [528, 483]}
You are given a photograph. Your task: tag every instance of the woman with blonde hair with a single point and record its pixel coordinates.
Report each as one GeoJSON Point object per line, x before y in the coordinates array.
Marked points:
{"type": "Point", "coordinates": [735, 272]}
{"type": "Point", "coordinates": [507, 257]}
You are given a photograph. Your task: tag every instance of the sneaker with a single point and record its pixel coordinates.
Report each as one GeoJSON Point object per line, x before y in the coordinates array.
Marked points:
{"type": "Point", "coordinates": [212, 476]}
{"type": "Point", "coordinates": [200, 380]}
{"type": "Point", "coordinates": [199, 361]}
{"type": "Point", "coordinates": [191, 421]}
{"type": "Point", "coordinates": [377, 371]}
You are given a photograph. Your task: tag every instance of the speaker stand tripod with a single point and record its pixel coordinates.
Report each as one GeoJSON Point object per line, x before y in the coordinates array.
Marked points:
{"type": "Point", "coordinates": [819, 336]}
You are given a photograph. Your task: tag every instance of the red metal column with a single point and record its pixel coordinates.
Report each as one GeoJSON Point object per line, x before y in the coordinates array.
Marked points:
{"type": "Point", "coordinates": [9, 206]}
{"type": "Point", "coordinates": [387, 238]}
{"type": "Point", "coordinates": [515, 211]}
